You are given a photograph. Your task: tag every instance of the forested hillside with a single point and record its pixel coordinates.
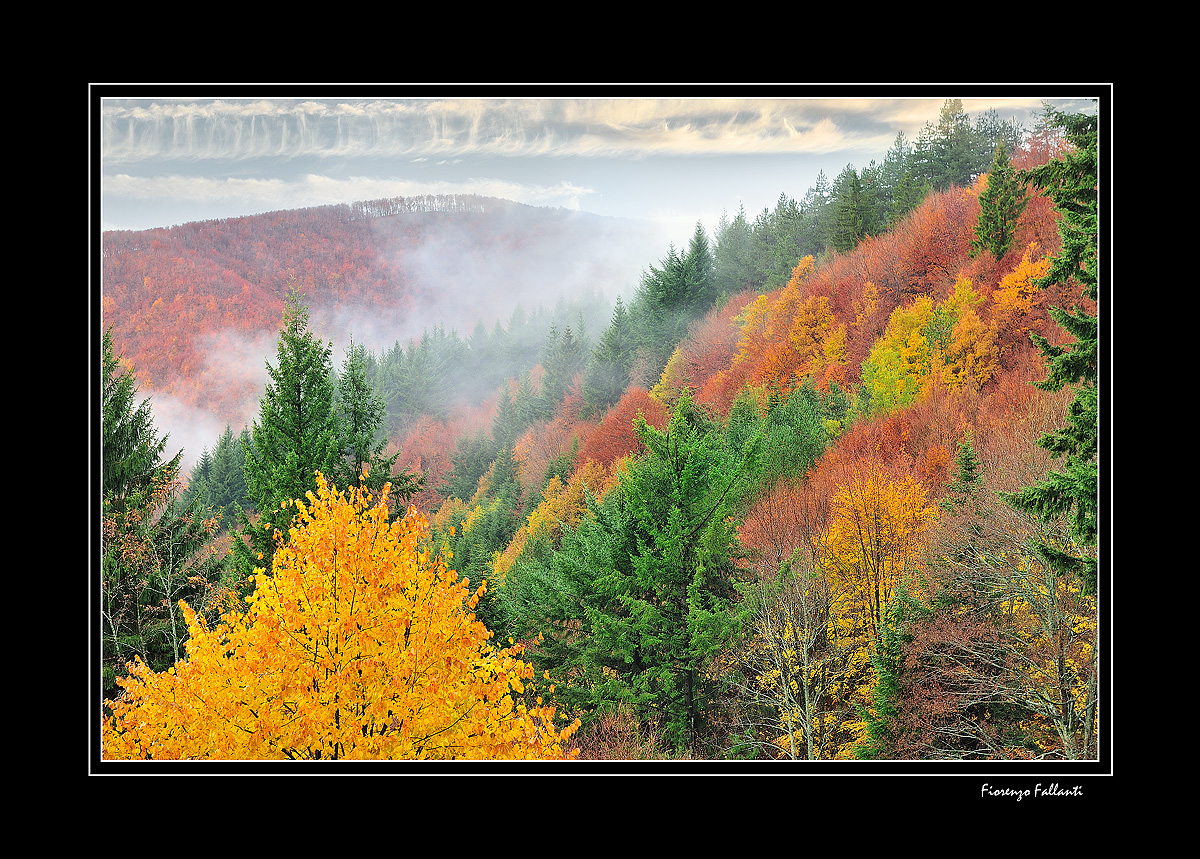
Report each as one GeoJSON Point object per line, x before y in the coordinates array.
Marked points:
{"type": "Point", "coordinates": [823, 487]}
{"type": "Point", "coordinates": [196, 307]}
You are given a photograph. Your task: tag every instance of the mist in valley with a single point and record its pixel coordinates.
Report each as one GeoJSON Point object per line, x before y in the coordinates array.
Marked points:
{"type": "Point", "coordinates": [452, 288]}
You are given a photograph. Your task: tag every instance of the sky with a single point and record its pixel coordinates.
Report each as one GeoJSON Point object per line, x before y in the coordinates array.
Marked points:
{"type": "Point", "coordinates": [168, 158]}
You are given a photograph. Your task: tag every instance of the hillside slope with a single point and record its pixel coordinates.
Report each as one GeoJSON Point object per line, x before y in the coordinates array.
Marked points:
{"type": "Point", "coordinates": [196, 308]}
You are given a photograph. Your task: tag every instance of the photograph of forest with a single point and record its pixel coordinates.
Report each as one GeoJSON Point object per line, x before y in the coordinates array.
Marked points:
{"type": "Point", "coordinates": [819, 485]}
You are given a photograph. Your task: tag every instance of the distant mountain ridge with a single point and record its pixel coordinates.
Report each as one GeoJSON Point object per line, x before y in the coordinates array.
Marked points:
{"type": "Point", "coordinates": [195, 308]}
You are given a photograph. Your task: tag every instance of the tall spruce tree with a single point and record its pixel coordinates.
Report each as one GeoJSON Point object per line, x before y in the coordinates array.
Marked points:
{"type": "Point", "coordinates": [607, 374]}
{"type": "Point", "coordinates": [733, 257]}
{"type": "Point", "coordinates": [227, 480]}
{"type": "Point", "coordinates": [660, 607]}
{"type": "Point", "coordinates": [969, 476]}
{"type": "Point", "coordinates": [1000, 207]}
{"type": "Point", "coordinates": [853, 212]}
{"type": "Point", "coordinates": [361, 419]}
{"type": "Point", "coordinates": [154, 547]}
{"type": "Point", "coordinates": [1072, 182]}
{"type": "Point", "coordinates": [699, 271]}
{"type": "Point", "coordinates": [132, 451]}
{"type": "Point", "coordinates": [294, 437]}
{"type": "Point", "coordinates": [199, 477]}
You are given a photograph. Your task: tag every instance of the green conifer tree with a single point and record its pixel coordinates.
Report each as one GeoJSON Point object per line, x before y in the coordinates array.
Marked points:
{"type": "Point", "coordinates": [733, 257]}
{"type": "Point", "coordinates": [969, 476]}
{"type": "Point", "coordinates": [1072, 182]}
{"type": "Point", "coordinates": [227, 480]}
{"type": "Point", "coordinates": [888, 662]}
{"type": "Point", "coordinates": [154, 546]}
{"type": "Point", "coordinates": [850, 225]}
{"type": "Point", "coordinates": [607, 374]}
{"type": "Point", "coordinates": [360, 415]}
{"type": "Point", "coordinates": [1000, 207]}
{"type": "Point", "coordinates": [294, 437]}
{"type": "Point", "coordinates": [199, 478]}
{"type": "Point", "coordinates": [699, 272]}
{"type": "Point", "coordinates": [667, 607]}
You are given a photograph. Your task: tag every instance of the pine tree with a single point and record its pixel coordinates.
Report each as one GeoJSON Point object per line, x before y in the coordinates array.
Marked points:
{"type": "Point", "coordinates": [888, 662]}
{"type": "Point", "coordinates": [780, 236]}
{"type": "Point", "coordinates": [154, 547]}
{"type": "Point", "coordinates": [969, 476]}
{"type": "Point", "coordinates": [199, 478]}
{"type": "Point", "coordinates": [945, 152]}
{"type": "Point", "coordinates": [294, 437]}
{"type": "Point", "coordinates": [227, 480]}
{"type": "Point", "coordinates": [471, 460]}
{"type": "Point", "coordinates": [607, 374]}
{"type": "Point", "coordinates": [131, 449]}
{"type": "Point", "coordinates": [733, 258]}
{"type": "Point", "coordinates": [698, 272]}
{"type": "Point", "coordinates": [1072, 182]}
{"type": "Point", "coordinates": [360, 414]}
{"type": "Point", "coordinates": [1000, 207]}
{"type": "Point", "coordinates": [818, 213]}
{"type": "Point", "coordinates": [851, 224]}
{"type": "Point", "coordinates": [663, 596]}
{"type": "Point", "coordinates": [566, 355]}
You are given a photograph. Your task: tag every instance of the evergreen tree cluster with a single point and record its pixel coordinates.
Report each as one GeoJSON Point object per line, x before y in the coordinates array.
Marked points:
{"type": "Point", "coordinates": [1001, 205]}
{"type": "Point", "coordinates": [1072, 491]}
{"type": "Point", "coordinates": [837, 215]}
{"type": "Point", "coordinates": [153, 541]}
{"type": "Point", "coordinates": [311, 420]}
{"type": "Point", "coordinates": [428, 376]}
{"type": "Point", "coordinates": [218, 478]}
{"type": "Point", "coordinates": [639, 340]}
{"type": "Point", "coordinates": [634, 605]}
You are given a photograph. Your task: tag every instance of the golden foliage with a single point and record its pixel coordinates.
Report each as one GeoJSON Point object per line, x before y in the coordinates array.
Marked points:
{"type": "Point", "coordinates": [562, 504]}
{"type": "Point", "coordinates": [875, 538]}
{"type": "Point", "coordinates": [360, 644]}
{"type": "Point", "coordinates": [1017, 296]}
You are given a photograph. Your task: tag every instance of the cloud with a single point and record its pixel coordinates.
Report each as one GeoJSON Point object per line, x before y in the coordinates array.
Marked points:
{"type": "Point", "coordinates": [577, 127]}
{"type": "Point", "coordinates": [264, 155]}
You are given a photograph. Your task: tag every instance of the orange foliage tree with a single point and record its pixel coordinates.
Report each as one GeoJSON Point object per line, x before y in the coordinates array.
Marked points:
{"type": "Point", "coordinates": [360, 644]}
{"type": "Point", "coordinates": [1018, 305]}
{"type": "Point", "coordinates": [615, 437]}
{"type": "Point", "coordinates": [775, 331]}
{"type": "Point", "coordinates": [545, 441]}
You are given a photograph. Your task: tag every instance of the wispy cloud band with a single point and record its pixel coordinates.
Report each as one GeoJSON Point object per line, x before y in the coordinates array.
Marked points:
{"type": "Point", "coordinates": [255, 128]}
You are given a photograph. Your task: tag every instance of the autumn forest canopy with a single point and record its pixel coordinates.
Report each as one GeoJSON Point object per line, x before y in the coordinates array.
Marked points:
{"type": "Point", "coordinates": [823, 486]}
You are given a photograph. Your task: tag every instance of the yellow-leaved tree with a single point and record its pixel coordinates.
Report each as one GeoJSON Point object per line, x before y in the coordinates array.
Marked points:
{"type": "Point", "coordinates": [875, 540]}
{"type": "Point", "coordinates": [360, 644]}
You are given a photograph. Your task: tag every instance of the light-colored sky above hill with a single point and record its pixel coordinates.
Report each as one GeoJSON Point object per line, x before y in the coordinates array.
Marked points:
{"type": "Point", "coordinates": [171, 157]}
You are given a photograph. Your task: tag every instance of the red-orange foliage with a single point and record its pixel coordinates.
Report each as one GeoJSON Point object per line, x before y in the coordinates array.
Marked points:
{"type": "Point", "coordinates": [918, 441]}
{"type": "Point", "coordinates": [545, 441]}
{"type": "Point", "coordinates": [191, 303]}
{"type": "Point", "coordinates": [933, 240]}
{"type": "Point", "coordinates": [712, 342]}
{"type": "Point", "coordinates": [430, 444]}
{"type": "Point", "coordinates": [427, 449]}
{"type": "Point", "coordinates": [851, 295]}
{"type": "Point", "coordinates": [615, 437]}
{"type": "Point", "coordinates": [788, 518]}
